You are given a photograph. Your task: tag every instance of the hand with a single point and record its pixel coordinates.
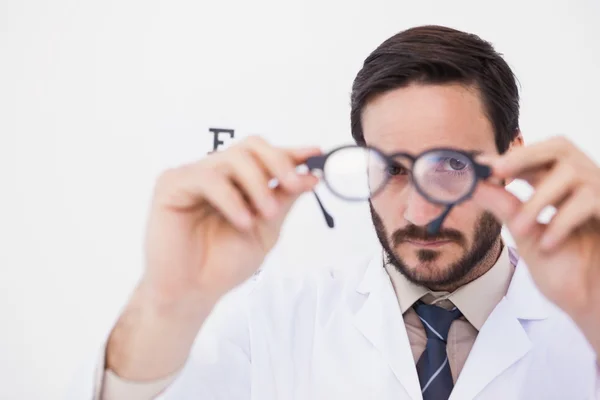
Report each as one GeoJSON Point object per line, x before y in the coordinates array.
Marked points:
{"type": "Point", "coordinates": [212, 222]}
{"type": "Point", "coordinates": [564, 255]}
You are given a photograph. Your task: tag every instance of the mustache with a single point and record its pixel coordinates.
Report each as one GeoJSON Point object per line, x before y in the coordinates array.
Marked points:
{"type": "Point", "coordinates": [414, 232]}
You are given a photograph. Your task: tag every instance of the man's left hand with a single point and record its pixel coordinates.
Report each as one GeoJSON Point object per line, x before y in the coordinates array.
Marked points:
{"type": "Point", "coordinates": [563, 256]}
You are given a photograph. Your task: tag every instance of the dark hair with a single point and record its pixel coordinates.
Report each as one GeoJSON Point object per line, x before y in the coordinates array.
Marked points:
{"type": "Point", "coordinates": [438, 55]}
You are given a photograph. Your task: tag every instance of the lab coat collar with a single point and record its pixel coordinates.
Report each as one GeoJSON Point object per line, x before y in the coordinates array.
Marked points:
{"type": "Point", "coordinates": [380, 321]}
{"type": "Point", "coordinates": [501, 342]}
{"type": "Point", "coordinates": [527, 301]}
{"type": "Point", "coordinates": [525, 298]}
{"type": "Point", "coordinates": [372, 275]}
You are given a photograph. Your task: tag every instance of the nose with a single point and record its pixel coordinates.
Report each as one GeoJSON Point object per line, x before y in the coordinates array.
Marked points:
{"type": "Point", "coordinates": [419, 211]}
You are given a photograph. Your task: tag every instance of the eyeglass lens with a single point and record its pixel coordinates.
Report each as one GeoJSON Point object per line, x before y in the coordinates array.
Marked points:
{"type": "Point", "coordinates": [357, 173]}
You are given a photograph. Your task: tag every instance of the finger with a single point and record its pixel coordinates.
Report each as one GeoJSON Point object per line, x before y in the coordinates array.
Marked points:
{"type": "Point", "coordinates": [249, 174]}
{"type": "Point", "coordinates": [555, 187]}
{"type": "Point", "coordinates": [299, 155]}
{"type": "Point", "coordinates": [197, 182]}
{"type": "Point", "coordinates": [286, 199]}
{"type": "Point", "coordinates": [577, 209]}
{"type": "Point", "coordinates": [533, 177]}
{"type": "Point", "coordinates": [585, 171]}
{"type": "Point", "coordinates": [526, 158]}
{"type": "Point", "coordinates": [280, 164]}
{"type": "Point", "coordinates": [305, 181]}
{"type": "Point", "coordinates": [497, 200]}
{"type": "Point", "coordinates": [504, 206]}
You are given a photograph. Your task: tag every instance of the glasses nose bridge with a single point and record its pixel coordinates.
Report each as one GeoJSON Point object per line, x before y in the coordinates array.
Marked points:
{"type": "Point", "coordinates": [405, 160]}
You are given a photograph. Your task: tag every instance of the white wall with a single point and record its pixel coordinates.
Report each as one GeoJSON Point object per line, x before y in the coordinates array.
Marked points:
{"type": "Point", "coordinates": [97, 97]}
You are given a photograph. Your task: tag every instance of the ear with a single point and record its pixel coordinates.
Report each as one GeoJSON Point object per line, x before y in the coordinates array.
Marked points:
{"type": "Point", "coordinates": [517, 142]}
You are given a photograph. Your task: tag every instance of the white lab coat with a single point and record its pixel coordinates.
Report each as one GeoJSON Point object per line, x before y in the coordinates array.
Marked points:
{"type": "Point", "coordinates": [343, 337]}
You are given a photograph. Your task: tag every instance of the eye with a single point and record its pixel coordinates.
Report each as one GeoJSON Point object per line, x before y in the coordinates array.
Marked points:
{"type": "Point", "coordinates": [453, 165]}
{"type": "Point", "coordinates": [456, 164]}
{"type": "Point", "coordinates": [396, 169]}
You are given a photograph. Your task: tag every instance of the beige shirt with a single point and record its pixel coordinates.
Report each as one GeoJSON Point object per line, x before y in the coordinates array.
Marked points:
{"type": "Point", "coordinates": [476, 301]}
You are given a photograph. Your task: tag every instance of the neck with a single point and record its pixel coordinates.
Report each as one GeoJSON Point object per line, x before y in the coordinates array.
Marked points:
{"type": "Point", "coordinates": [481, 268]}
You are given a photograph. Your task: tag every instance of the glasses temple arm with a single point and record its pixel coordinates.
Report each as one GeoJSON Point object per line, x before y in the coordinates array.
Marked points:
{"type": "Point", "coordinates": [318, 163]}
{"type": "Point", "coordinates": [328, 217]}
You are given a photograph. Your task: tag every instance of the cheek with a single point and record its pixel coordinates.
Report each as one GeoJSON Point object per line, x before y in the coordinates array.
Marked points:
{"type": "Point", "coordinates": [464, 218]}
{"type": "Point", "coordinates": [390, 209]}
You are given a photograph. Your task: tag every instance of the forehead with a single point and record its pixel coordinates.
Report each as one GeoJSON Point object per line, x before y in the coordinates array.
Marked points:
{"type": "Point", "coordinates": [419, 117]}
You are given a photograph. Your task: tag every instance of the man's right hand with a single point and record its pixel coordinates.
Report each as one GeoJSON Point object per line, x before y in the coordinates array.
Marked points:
{"type": "Point", "coordinates": [213, 222]}
{"type": "Point", "coordinates": [210, 227]}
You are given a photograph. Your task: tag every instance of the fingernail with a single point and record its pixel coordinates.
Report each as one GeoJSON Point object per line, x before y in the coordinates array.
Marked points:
{"type": "Point", "coordinates": [302, 170]}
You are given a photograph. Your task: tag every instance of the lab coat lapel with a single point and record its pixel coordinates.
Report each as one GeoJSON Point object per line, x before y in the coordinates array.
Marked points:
{"type": "Point", "coordinates": [502, 340]}
{"type": "Point", "coordinates": [380, 320]}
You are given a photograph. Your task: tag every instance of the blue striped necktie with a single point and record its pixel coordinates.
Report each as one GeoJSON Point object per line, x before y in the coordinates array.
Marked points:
{"type": "Point", "coordinates": [433, 367]}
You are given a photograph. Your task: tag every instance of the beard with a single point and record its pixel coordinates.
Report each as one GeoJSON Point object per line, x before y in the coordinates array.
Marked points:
{"type": "Point", "coordinates": [487, 234]}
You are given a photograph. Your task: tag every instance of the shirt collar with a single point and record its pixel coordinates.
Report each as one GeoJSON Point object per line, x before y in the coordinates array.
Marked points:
{"type": "Point", "coordinates": [476, 300]}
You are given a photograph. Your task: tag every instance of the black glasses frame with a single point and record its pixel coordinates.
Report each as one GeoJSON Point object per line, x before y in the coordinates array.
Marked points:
{"type": "Point", "coordinates": [482, 172]}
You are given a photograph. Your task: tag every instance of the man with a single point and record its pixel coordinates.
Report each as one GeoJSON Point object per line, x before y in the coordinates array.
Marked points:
{"type": "Point", "coordinates": [455, 314]}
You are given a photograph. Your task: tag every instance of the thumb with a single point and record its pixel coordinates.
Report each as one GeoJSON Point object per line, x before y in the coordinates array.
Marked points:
{"type": "Point", "coordinates": [300, 155]}
{"type": "Point", "coordinates": [505, 206]}
{"type": "Point", "coordinates": [271, 228]}
{"type": "Point", "coordinates": [497, 200]}
{"type": "Point", "coordinates": [286, 200]}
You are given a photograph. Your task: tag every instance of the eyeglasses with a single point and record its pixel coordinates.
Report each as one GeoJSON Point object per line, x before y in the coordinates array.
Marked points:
{"type": "Point", "coordinates": [443, 176]}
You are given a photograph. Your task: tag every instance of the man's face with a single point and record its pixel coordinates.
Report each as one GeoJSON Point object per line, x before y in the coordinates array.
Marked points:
{"type": "Point", "coordinates": [411, 120]}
